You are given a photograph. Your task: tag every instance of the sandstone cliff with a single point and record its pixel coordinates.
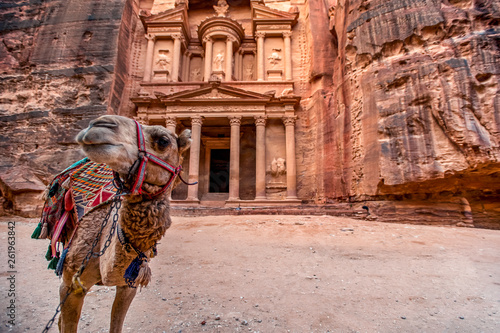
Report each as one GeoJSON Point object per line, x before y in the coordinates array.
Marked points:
{"type": "Point", "coordinates": [58, 59]}
{"type": "Point", "coordinates": [400, 106]}
{"type": "Point", "coordinates": [413, 112]}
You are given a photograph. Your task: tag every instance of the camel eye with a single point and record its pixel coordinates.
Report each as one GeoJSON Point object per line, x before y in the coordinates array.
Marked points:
{"type": "Point", "coordinates": [163, 142]}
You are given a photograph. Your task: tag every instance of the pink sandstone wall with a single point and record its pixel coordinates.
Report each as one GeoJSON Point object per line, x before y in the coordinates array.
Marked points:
{"type": "Point", "coordinates": [58, 59]}
{"type": "Point", "coordinates": [413, 112]}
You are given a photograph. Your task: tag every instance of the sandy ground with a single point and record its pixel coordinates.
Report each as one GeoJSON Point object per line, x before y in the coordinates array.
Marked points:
{"type": "Point", "coordinates": [284, 274]}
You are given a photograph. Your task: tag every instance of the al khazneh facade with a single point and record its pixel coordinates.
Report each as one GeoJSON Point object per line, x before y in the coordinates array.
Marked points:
{"type": "Point", "coordinates": [225, 72]}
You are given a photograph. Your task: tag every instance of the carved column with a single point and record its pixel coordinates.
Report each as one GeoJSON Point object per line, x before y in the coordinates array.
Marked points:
{"type": "Point", "coordinates": [208, 58]}
{"type": "Point", "coordinates": [229, 59]}
{"type": "Point", "coordinates": [177, 57]}
{"type": "Point", "coordinates": [288, 55]}
{"type": "Point", "coordinates": [234, 164]}
{"type": "Point", "coordinates": [237, 65]}
{"type": "Point", "coordinates": [291, 169]}
{"type": "Point", "coordinates": [194, 158]}
{"type": "Point", "coordinates": [185, 66]}
{"type": "Point", "coordinates": [260, 55]}
{"type": "Point", "coordinates": [171, 123]}
{"type": "Point", "coordinates": [149, 57]}
{"type": "Point", "coordinates": [260, 158]}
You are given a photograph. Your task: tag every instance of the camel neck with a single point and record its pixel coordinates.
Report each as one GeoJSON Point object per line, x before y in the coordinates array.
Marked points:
{"type": "Point", "coordinates": [144, 222]}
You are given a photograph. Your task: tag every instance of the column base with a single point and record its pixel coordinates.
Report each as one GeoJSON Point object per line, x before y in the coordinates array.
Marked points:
{"type": "Point", "coordinates": [260, 198]}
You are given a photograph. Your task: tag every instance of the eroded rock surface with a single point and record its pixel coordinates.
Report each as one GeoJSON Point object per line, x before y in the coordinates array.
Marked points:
{"type": "Point", "coordinates": [414, 109]}
{"type": "Point", "coordinates": [58, 59]}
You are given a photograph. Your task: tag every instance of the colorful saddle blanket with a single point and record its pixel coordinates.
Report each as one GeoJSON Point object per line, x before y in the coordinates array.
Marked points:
{"type": "Point", "coordinates": [76, 191]}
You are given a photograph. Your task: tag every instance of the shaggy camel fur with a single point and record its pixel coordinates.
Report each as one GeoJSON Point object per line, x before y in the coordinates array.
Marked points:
{"type": "Point", "coordinates": [113, 140]}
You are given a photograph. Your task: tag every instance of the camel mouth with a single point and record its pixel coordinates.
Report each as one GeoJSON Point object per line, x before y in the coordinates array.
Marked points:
{"type": "Point", "coordinates": [104, 123]}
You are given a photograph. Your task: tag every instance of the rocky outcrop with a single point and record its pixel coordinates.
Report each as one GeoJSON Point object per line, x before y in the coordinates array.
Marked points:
{"type": "Point", "coordinates": [414, 111]}
{"type": "Point", "coordinates": [58, 61]}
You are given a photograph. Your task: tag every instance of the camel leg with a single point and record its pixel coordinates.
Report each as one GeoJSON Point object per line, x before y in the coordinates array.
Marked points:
{"type": "Point", "coordinates": [123, 298]}
{"type": "Point", "coordinates": [70, 310]}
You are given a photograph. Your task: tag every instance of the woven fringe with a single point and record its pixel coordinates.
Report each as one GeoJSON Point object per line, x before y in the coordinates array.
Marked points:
{"type": "Point", "coordinates": [53, 263]}
{"type": "Point", "coordinates": [144, 275]}
{"type": "Point", "coordinates": [45, 194]}
{"type": "Point", "coordinates": [66, 183]}
{"type": "Point", "coordinates": [60, 264]}
{"type": "Point", "coordinates": [38, 230]}
{"type": "Point", "coordinates": [45, 231]}
{"type": "Point", "coordinates": [48, 255]}
{"type": "Point", "coordinates": [138, 272]}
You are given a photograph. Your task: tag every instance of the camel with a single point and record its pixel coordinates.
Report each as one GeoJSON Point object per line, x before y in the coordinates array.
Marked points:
{"type": "Point", "coordinates": [142, 218]}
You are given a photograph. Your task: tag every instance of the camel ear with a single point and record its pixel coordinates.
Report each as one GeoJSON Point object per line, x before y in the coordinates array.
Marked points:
{"type": "Point", "coordinates": [184, 141]}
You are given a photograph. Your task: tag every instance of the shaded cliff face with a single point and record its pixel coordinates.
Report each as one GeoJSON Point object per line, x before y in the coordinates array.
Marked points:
{"type": "Point", "coordinates": [414, 106]}
{"type": "Point", "coordinates": [57, 64]}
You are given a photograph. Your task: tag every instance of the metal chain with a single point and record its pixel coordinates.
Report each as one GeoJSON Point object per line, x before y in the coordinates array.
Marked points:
{"type": "Point", "coordinates": [115, 204]}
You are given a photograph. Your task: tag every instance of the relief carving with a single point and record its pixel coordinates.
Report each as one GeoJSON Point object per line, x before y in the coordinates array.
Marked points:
{"type": "Point", "coordinates": [248, 74]}
{"type": "Point", "coordinates": [274, 58]}
{"type": "Point", "coordinates": [218, 61]}
{"type": "Point", "coordinates": [278, 167]}
{"type": "Point", "coordinates": [221, 8]}
{"type": "Point", "coordinates": [164, 60]}
{"type": "Point", "coordinates": [195, 75]}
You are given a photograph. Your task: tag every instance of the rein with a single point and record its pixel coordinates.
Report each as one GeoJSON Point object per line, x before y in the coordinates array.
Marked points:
{"type": "Point", "coordinates": [142, 160]}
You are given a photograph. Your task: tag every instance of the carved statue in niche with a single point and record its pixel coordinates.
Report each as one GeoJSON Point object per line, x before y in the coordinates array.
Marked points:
{"type": "Point", "coordinates": [164, 60]}
{"type": "Point", "coordinates": [248, 74]}
{"type": "Point", "coordinates": [278, 167]}
{"type": "Point", "coordinates": [274, 58]}
{"type": "Point", "coordinates": [221, 8]}
{"type": "Point", "coordinates": [195, 74]}
{"type": "Point", "coordinates": [218, 61]}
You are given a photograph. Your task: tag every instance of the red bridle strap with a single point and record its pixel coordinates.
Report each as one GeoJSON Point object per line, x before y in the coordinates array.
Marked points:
{"type": "Point", "coordinates": [144, 157]}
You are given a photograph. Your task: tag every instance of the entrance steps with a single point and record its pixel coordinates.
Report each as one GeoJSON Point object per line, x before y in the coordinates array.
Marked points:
{"type": "Point", "coordinates": [210, 208]}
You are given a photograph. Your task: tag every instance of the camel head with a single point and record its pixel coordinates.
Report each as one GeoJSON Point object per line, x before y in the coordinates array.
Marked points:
{"type": "Point", "coordinates": [113, 140]}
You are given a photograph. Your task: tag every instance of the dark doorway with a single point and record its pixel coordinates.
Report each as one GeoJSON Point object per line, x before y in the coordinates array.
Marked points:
{"type": "Point", "coordinates": [219, 171]}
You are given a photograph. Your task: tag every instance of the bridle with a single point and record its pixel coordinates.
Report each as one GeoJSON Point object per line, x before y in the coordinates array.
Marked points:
{"type": "Point", "coordinates": [142, 160]}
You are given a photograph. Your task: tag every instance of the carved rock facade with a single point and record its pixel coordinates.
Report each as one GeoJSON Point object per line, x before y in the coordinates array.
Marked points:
{"type": "Point", "coordinates": [392, 104]}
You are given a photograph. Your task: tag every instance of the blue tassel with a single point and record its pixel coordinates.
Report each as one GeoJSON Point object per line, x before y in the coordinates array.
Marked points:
{"type": "Point", "coordinates": [60, 263]}
{"type": "Point", "coordinates": [133, 270]}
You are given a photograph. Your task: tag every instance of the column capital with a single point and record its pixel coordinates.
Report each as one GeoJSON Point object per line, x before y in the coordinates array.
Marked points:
{"type": "Point", "coordinates": [260, 120]}
{"type": "Point", "coordinates": [176, 36]}
{"type": "Point", "coordinates": [207, 39]}
{"type": "Point", "coordinates": [260, 34]}
{"type": "Point", "coordinates": [287, 34]}
{"type": "Point", "coordinates": [170, 120]}
{"type": "Point", "coordinates": [235, 120]}
{"type": "Point", "coordinates": [231, 39]}
{"type": "Point", "coordinates": [150, 37]}
{"type": "Point", "coordinates": [289, 120]}
{"type": "Point", "coordinates": [196, 120]}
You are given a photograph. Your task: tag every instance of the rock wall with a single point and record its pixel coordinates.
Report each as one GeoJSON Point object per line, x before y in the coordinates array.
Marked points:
{"type": "Point", "coordinates": [58, 59]}
{"type": "Point", "coordinates": [413, 112]}
{"type": "Point", "coordinates": [400, 104]}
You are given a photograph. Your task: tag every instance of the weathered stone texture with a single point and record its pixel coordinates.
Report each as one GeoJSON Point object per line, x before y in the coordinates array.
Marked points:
{"type": "Point", "coordinates": [415, 106]}
{"type": "Point", "coordinates": [399, 101]}
{"type": "Point", "coordinates": [57, 61]}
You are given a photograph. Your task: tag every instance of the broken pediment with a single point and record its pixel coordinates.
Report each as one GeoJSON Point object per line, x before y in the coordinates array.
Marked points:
{"type": "Point", "coordinates": [177, 16]}
{"type": "Point", "coordinates": [263, 13]}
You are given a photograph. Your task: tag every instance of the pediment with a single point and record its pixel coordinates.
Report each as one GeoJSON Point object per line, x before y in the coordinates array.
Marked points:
{"type": "Point", "coordinates": [266, 13]}
{"type": "Point", "coordinates": [177, 14]}
{"type": "Point", "coordinates": [214, 93]}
